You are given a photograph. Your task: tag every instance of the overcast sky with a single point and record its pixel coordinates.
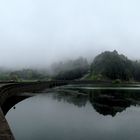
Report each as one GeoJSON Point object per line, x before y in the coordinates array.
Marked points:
{"type": "Point", "coordinates": [39, 32]}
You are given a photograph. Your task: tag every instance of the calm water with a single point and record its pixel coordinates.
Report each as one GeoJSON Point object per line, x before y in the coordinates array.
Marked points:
{"type": "Point", "coordinates": [78, 113]}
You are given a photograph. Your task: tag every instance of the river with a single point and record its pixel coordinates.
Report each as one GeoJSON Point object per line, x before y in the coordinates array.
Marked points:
{"type": "Point", "coordinates": [78, 113]}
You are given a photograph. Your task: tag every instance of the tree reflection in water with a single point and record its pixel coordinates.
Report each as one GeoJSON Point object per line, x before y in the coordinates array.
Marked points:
{"type": "Point", "coordinates": [104, 101]}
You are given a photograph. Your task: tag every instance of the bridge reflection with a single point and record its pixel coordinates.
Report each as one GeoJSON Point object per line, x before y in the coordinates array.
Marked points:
{"type": "Point", "coordinates": [11, 94]}
{"type": "Point", "coordinates": [11, 101]}
{"type": "Point", "coordinates": [104, 101]}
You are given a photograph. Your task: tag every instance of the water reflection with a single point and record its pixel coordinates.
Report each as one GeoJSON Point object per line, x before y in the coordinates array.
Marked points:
{"type": "Point", "coordinates": [79, 114]}
{"type": "Point", "coordinates": [104, 101]}
{"type": "Point", "coordinates": [76, 99]}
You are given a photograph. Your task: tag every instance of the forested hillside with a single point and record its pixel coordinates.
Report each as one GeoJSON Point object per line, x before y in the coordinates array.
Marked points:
{"type": "Point", "coordinates": [105, 66]}
{"type": "Point", "coordinates": [112, 65]}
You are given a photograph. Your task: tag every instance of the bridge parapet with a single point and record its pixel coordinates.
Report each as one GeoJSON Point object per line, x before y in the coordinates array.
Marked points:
{"type": "Point", "coordinates": [12, 89]}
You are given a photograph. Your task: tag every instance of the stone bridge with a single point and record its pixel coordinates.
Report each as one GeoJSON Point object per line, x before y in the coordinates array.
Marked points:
{"type": "Point", "coordinates": [9, 96]}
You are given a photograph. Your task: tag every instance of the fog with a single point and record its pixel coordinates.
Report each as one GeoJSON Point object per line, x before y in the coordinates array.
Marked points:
{"type": "Point", "coordinates": [37, 33]}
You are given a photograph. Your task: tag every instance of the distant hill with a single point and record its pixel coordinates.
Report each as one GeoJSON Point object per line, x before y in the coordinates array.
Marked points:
{"type": "Point", "coordinates": [112, 65]}
{"type": "Point", "coordinates": [70, 70]}
{"type": "Point", "coordinates": [106, 66]}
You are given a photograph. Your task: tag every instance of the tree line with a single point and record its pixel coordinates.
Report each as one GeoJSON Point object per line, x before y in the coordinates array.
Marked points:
{"type": "Point", "coordinates": [105, 66]}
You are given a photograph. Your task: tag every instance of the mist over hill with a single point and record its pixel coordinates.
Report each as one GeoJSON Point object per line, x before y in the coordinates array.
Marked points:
{"type": "Point", "coordinates": [108, 65]}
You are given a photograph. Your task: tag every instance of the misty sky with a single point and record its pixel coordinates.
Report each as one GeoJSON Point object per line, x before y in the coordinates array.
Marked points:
{"type": "Point", "coordinates": [39, 32]}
